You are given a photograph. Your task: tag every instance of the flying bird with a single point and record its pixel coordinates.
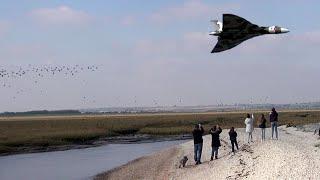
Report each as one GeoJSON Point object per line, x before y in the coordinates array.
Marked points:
{"type": "Point", "coordinates": [234, 30]}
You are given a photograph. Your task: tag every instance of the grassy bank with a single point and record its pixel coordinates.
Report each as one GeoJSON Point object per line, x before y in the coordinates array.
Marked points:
{"type": "Point", "coordinates": [45, 131]}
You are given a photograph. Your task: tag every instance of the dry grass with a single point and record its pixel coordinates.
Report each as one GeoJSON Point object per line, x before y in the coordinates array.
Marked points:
{"type": "Point", "coordinates": [46, 131]}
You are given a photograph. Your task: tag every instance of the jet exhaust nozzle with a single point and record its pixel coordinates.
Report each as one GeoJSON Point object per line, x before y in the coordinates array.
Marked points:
{"type": "Point", "coordinates": [276, 30]}
{"type": "Point", "coordinates": [284, 30]}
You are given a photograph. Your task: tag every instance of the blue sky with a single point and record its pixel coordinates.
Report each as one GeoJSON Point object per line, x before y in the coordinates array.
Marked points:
{"type": "Point", "coordinates": [157, 51]}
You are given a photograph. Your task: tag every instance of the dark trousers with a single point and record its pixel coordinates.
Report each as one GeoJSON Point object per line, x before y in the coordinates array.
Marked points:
{"type": "Point", "coordinates": [215, 151]}
{"type": "Point", "coordinates": [234, 143]}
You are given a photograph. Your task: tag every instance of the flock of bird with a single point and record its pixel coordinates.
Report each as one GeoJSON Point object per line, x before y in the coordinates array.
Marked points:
{"type": "Point", "coordinates": [32, 73]}
{"type": "Point", "coordinates": [42, 71]}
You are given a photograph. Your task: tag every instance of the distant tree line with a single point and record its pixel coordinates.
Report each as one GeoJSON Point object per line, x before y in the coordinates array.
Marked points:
{"type": "Point", "coordinates": [41, 112]}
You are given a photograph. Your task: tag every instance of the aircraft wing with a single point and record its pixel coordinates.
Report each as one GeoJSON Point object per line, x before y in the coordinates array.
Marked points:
{"type": "Point", "coordinates": [235, 30]}
{"type": "Point", "coordinates": [235, 23]}
{"type": "Point", "coordinates": [225, 43]}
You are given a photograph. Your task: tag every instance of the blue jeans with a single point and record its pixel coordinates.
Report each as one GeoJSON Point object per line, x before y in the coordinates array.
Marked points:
{"type": "Point", "coordinates": [263, 134]}
{"type": "Point", "coordinates": [215, 151]}
{"type": "Point", "coordinates": [274, 128]}
{"type": "Point", "coordinates": [197, 152]}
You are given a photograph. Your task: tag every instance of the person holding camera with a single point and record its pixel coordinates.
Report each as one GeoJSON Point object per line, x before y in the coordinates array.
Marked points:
{"type": "Point", "coordinates": [215, 144]}
{"type": "Point", "coordinates": [249, 127]}
{"type": "Point", "coordinates": [198, 142]}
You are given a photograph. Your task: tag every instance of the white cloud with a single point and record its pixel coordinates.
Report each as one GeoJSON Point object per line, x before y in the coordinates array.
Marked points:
{"type": "Point", "coordinates": [23, 53]}
{"type": "Point", "coordinates": [60, 15]}
{"type": "Point", "coordinates": [190, 10]}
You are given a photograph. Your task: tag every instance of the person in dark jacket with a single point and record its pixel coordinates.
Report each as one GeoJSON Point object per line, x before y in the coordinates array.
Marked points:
{"type": "Point", "coordinates": [198, 142]}
{"type": "Point", "coordinates": [274, 122]}
{"type": "Point", "coordinates": [233, 138]}
{"type": "Point", "coordinates": [262, 126]}
{"type": "Point", "coordinates": [215, 144]}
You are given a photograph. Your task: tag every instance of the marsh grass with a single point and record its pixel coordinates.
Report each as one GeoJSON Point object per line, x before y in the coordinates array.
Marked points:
{"type": "Point", "coordinates": [43, 131]}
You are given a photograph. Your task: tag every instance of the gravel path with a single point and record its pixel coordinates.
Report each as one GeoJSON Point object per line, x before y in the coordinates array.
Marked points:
{"type": "Point", "coordinates": [293, 156]}
{"type": "Point", "coordinates": [296, 155]}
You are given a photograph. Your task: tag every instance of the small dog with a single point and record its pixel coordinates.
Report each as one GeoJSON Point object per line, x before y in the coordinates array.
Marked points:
{"type": "Point", "coordinates": [183, 161]}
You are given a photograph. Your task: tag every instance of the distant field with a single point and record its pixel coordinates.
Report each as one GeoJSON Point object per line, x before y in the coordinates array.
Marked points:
{"type": "Point", "coordinates": [44, 131]}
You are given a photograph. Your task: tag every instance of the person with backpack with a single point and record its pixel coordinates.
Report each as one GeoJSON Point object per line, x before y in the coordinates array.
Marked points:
{"type": "Point", "coordinates": [233, 138]}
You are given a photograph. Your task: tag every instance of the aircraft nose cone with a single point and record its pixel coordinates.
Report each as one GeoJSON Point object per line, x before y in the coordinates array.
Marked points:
{"type": "Point", "coordinates": [284, 30]}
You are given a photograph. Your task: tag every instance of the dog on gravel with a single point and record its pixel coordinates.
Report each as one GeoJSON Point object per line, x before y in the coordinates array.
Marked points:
{"type": "Point", "coordinates": [183, 161]}
{"type": "Point", "coordinates": [315, 132]}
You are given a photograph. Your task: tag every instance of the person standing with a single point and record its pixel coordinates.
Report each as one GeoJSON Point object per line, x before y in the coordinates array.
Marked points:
{"type": "Point", "coordinates": [198, 142]}
{"type": "Point", "coordinates": [262, 126]}
{"type": "Point", "coordinates": [274, 123]}
{"type": "Point", "coordinates": [215, 143]}
{"type": "Point", "coordinates": [249, 127]}
{"type": "Point", "coordinates": [233, 138]}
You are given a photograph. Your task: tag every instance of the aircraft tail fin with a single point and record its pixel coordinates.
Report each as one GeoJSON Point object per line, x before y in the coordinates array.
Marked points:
{"type": "Point", "coordinates": [217, 26]}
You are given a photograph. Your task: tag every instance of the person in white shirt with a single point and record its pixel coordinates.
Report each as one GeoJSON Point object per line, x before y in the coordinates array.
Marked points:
{"type": "Point", "coordinates": [249, 127]}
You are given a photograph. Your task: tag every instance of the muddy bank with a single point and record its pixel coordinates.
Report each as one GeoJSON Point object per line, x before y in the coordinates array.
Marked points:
{"type": "Point", "coordinates": [154, 167]}
{"type": "Point", "coordinates": [95, 143]}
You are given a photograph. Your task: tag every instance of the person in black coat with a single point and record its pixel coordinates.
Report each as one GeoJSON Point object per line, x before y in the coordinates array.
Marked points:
{"type": "Point", "coordinates": [262, 126]}
{"type": "Point", "coordinates": [198, 142]}
{"type": "Point", "coordinates": [233, 138]}
{"type": "Point", "coordinates": [215, 144]}
{"type": "Point", "coordinates": [274, 122]}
